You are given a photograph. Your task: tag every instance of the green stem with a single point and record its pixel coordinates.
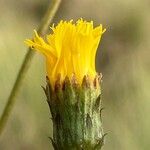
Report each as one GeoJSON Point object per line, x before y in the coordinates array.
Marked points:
{"type": "Point", "coordinates": [51, 11]}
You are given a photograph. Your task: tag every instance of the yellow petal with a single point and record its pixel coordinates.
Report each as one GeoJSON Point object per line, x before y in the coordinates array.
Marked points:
{"type": "Point", "coordinates": [70, 49]}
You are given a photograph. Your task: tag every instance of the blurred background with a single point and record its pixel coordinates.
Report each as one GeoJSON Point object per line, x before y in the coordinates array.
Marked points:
{"type": "Point", "coordinates": [123, 58]}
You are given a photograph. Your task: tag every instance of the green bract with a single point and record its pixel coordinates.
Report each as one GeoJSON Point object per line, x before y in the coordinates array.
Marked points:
{"type": "Point", "coordinates": [76, 114]}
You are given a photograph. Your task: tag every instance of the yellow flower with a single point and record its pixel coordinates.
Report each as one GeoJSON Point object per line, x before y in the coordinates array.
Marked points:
{"type": "Point", "coordinates": [69, 50]}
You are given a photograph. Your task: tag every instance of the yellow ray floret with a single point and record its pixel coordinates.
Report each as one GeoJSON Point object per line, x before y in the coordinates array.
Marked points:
{"type": "Point", "coordinates": [70, 49]}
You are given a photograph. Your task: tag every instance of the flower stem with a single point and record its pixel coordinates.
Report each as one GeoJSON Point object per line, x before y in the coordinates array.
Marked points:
{"type": "Point", "coordinates": [49, 15]}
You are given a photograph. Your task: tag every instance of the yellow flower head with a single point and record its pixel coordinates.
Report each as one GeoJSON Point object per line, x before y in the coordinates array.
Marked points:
{"type": "Point", "coordinates": [69, 50]}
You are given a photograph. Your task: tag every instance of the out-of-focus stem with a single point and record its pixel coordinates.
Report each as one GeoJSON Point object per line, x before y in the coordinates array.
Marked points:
{"type": "Point", "coordinates": [51, 11]}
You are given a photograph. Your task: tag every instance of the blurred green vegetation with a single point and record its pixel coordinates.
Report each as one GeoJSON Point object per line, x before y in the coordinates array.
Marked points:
{"type": "Point", "coordinates": [123, 58]}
